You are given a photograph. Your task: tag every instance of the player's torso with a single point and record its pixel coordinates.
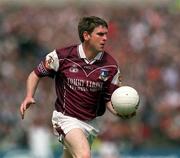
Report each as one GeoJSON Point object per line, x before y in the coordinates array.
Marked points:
{"type": "Point", "coordinates": [82, 85]}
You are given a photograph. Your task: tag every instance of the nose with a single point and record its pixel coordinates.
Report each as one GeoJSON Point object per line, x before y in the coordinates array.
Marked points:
{"type": "Point", "coordinates": [105, 37]}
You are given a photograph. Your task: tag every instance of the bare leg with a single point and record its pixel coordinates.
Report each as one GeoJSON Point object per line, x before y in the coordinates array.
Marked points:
{"type": "Point", "coordinates": [77, 144]}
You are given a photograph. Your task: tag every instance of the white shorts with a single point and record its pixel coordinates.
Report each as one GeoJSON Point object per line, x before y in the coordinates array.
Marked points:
{"type": "Point", "coordinates": [62, 124]}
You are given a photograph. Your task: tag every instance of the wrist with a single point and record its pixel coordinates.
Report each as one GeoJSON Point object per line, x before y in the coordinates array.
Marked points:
{"type": "Point", "coordinates": [29, 96]}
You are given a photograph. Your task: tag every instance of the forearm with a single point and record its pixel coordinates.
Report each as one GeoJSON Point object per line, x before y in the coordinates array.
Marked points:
{"type": "Point", "coordinates": [31, 84]}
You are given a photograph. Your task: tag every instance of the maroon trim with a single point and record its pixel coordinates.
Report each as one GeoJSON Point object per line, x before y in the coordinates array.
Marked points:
{"type": "Point", "coordinates": [60, 131]}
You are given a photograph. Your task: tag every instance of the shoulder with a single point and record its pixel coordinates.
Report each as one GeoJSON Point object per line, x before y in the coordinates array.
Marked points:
{"type": "Point", "coordinates": [109, 59]}
{"type": "Point", "coordinates": [65, 51]}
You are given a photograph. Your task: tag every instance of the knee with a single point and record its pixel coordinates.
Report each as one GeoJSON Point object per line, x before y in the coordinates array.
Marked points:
{"type": "Point", "coordinates": [83, 154]}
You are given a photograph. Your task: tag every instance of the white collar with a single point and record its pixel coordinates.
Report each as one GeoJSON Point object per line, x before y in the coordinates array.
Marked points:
{"type": "Point", "coordinates": [83, 55]}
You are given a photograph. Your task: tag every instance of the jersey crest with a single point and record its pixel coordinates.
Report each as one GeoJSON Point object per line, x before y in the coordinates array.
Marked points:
{"type": "Point", "coordinates": [73, 69]}
{"type": "Point", "coordinates": [104, 74]}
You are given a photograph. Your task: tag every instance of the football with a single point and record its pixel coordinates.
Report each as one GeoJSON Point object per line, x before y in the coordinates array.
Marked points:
{"type": "Point", "coordinates": [125, 100]}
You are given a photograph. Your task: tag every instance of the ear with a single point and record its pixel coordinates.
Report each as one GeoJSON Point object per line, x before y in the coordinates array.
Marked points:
{"type": "Point", "coordinates": [86, 36]}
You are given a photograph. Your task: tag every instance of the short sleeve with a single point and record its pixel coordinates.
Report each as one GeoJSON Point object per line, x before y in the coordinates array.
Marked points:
{"type": "Point", "coordinates": [116, 79]}
{"type": "Point", "coordinates": [48, 66]}
{"type": "Point", "coordinates": [112, 84]}
{"type": "Point", "coordinates": [52, 61]}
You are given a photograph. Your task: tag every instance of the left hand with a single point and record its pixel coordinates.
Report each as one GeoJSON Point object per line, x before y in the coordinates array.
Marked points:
{"type": "Point", "coordinates": [127, 116]}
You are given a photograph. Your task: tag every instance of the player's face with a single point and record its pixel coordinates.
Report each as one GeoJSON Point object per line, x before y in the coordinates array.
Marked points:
{"type": "Point", "coordinates": [98, 38]}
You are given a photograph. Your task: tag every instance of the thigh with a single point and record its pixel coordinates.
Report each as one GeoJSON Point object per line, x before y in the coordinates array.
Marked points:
{"type": "Point", "coordinates": [77, 143]}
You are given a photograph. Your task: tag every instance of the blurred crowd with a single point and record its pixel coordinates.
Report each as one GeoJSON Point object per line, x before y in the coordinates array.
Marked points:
{"type": "Point", "coordinates": [144, 41]}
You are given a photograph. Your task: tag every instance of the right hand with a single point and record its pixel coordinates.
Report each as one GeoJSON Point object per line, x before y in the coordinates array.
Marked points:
{"type": "Point", "coordinates": [25, 105]}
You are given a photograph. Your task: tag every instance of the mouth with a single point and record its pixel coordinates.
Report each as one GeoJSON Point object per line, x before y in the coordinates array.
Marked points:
{"type": "Point", "coordinates": [102, 45]}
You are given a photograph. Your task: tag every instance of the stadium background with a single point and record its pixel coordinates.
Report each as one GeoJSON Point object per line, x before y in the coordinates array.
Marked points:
{"type": "Point", "coordinates": [144, 38]}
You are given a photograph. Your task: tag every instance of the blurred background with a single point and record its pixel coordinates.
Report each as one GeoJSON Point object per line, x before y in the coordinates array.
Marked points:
{"type": "Point", "coordinates": [144, 37]}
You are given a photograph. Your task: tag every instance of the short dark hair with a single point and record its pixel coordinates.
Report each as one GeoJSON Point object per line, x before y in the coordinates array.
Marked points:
{"type": "Point", "coordinates": [89, 24]}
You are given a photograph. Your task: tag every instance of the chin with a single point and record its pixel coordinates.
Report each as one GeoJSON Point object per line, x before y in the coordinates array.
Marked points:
{"type": "Point", "coordinates": [101, 50]}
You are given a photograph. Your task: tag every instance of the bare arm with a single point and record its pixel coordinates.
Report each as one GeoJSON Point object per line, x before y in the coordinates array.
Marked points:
{"type": "Point", "coordinates": [110, 108]}
{"type": "Point", "coordinates": [31, 86]}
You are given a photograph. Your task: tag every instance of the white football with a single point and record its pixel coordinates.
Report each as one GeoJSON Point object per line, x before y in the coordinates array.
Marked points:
{"type": "Point", "coordinates": [125, 100]}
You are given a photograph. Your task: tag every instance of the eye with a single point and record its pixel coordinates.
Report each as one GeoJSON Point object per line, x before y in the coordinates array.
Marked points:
{"type": "Point", "coordinates": [101, 33]}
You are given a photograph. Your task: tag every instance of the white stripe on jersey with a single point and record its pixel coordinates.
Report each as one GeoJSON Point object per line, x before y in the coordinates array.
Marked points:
{"type": "Point", "coordinates": [115, 80]}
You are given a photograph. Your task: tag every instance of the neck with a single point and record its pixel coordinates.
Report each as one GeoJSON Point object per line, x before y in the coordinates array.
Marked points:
{"type": "Point", "coordinates": [89, 52]}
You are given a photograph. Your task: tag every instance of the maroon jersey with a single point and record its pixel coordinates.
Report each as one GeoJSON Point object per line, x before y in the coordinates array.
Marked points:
{"type": "Point", "coordinates": [80, 83]}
